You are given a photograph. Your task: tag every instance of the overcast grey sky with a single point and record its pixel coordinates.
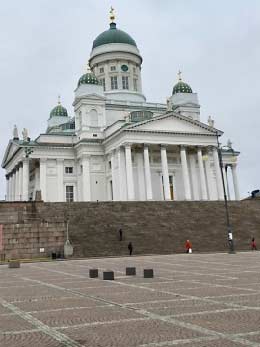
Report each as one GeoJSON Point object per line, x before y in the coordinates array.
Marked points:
{"type": "Point", "coordinates": [45, 44]}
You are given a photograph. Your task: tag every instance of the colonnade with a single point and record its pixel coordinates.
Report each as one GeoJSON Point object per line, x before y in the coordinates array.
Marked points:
{"type": "Point", "coordinates": [188, 174]}
{"type": "Point", "coordinates": [192, 163]}
{"type": "Point", "coordinates": [17, 182]}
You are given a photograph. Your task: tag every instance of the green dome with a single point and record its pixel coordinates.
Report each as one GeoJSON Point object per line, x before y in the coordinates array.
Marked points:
{"type": "Point", "coordinates": [181, 87]}
{"type": "Point", "coordinates": [113, 35]}
{"type": "Point", "coordinates": [59, 111]}
{"type": "Point", "coordinates": [88, 78]}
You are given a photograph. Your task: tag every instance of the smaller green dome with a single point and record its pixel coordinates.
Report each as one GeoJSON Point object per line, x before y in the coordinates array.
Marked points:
{"type": "Point", "coordinates": [88, 78]}
{"type": "Point", "coordinates": [181, 87]}
{"type": "Point", "coordinates": [59, 111]}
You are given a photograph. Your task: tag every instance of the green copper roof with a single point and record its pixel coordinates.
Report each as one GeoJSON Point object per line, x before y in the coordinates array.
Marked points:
{"type": "Point", "coordinates": [181, 87]}
{"type": "Point", "coordinates": [59, 111]}
{"type": "Point", "coordinates": [113, 35]}
{"type": "Point", "coordinates": [88, 78]}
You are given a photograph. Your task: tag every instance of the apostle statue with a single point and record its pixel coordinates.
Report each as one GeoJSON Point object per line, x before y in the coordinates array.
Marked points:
{"type": "Point", "coordinates": [25, 134]}
{"type": "Point", "coordinates": [15, 133]}
{"type": "Point", "coordinates": [211, 122]}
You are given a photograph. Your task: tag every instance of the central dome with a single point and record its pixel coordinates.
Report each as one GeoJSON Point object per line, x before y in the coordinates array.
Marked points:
{"type": "Point", "coordinates": [113, 35]}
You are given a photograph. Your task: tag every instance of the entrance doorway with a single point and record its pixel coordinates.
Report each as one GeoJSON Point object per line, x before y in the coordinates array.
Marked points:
{"type": "Point", "coordinates": [171, 184]}
{"type": "Point", "coordinates": [171, 187]}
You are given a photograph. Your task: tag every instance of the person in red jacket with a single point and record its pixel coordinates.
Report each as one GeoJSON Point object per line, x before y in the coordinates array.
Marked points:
{"type": "Point", "coordinates": [188, 246]}
{"type": "Point", "coordinates": [253, 244]}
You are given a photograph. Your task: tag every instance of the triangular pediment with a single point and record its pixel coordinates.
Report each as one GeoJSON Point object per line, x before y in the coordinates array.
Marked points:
{"type": "Point", "coordinates": [12, 147]}
{"type": "Point", "coordinates": [173, 123]}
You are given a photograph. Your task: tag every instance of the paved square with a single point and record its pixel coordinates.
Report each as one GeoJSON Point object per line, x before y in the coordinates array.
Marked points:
{"type": "Point", "coordinates": [194, 300]}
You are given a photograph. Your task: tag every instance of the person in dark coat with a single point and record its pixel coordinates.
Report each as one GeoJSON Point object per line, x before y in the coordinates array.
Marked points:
{"type": "Point", "coordinates": [120, 234]}
{"type": "Point", "coordinates": [130, 248]}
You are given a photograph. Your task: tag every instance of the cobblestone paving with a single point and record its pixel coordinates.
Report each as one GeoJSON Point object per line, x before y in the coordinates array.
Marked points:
{"type": "Point", "coordinates": [194, 300]}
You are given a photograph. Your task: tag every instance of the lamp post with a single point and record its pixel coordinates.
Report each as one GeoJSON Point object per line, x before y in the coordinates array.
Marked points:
{"type": "Point", "coordinates": [229, 228]}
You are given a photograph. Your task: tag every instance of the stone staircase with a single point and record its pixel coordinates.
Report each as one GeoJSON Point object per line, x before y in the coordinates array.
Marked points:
{"type": "Point", "coordinates": [152, 227]}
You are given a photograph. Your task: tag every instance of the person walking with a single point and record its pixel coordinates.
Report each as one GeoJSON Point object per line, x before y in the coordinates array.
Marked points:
{"type": "Point", "coordinates": [253, 244]}
{"type": "Point", "coordinates": [188, 246]}
{"type": "Point", "coordinates": [120, 234]}
{"type": "Point", "coordinates": [130, 248]}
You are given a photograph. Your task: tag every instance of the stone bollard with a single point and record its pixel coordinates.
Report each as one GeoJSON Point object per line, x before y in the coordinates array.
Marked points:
{"type": "Point", "coordinates": [130, 271]}
{"type": "Point", "coordinates": [108, 275]}
{"type": "Point", "coordinates": [93, 273]}
{"type": "Point", "coordinates": [148, 273]}
{"type": "Point", "coordinates": [14, 264]}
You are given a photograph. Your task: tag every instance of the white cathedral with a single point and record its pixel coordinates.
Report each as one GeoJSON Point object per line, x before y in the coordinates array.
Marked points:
{"type": "Point", "coordinates": [118, 146]}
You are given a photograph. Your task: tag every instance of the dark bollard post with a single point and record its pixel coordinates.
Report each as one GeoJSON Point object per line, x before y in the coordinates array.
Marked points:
{"type": "Point", "coordinates": [108, 275]}
{"type": "Point", "coordinates": [130, 271]}
{"type": "Point", "coordinates": [14, 264]}
{"type": "Point", "coordinates": [93, 273]}
{"type": "Point", "coordinates": [148, 273]}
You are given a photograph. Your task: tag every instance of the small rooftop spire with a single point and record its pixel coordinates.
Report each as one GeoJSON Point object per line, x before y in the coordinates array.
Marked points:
{"type": "Point", "coordinates": [59, 100]}
{"type": "Point", "coordinates": [179, 75]}
{"type": "Point", "coordinates": [112, 15]}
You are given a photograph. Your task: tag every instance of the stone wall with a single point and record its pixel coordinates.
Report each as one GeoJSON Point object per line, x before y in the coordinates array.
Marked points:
{"type": "Point", "coordinates": [152, 227]}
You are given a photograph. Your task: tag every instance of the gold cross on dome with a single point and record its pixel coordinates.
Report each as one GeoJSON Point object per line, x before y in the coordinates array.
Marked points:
{"type": "Point", "coordinates": [179, 74]}
{"type": "Point", "coordinates": [112, 14]}
{"type": "Point", "coordinates": [58, 99]}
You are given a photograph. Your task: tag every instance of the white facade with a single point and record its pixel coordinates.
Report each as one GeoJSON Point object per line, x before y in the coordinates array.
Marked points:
{"type": "Point", "coordinates": [119, 147]}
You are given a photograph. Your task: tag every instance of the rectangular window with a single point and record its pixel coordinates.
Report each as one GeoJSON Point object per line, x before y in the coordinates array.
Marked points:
{"type": "Point", "coordinates": [112, 68]}
{"type": "Point", "coordinates": [101, 70]}
{"type": "Point", "coordinates": [135, 84]}
{"type": "Point", "coordinates": [114, 82]}
{"type": "Point", "coordinates": [125, 83]}
{"type": "Point", "coordinates": [69, 193]}
{"type": "Point", "coordinates": [69, 170]}
{"type": "Point", "coordinates": [103, 83]}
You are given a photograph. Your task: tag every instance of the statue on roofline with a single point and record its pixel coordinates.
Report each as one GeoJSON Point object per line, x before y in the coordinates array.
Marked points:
{"type": "Point", "coordinates": [211, 122]}
{"type": "Point", "coordinates": [15, 133]}
{"type": "Point", "coordinates": [25, 134]}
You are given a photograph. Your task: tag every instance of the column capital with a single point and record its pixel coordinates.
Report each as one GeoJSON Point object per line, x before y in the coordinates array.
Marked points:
{"type": "Point", "coordinates": [183, 147]}
{"type": "Point", "coordinates": [128, 144]}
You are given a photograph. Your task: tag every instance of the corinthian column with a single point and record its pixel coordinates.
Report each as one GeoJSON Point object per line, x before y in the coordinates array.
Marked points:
{"type": "Point", "coordinates": [147, 171]}
{"type": "Point", "coordinates": [185, 174]}
{"type": "Point", "coordinates": [26, 179]}
{"type": "Point", "coordinates": [129, 173]}
{"type": "Point", "coordinates": [235, 181]}
{"type": "Point", "coordinates": [218, 174]}
{"type": "Point", "coordinates": [203, 186]}
{"type": "Point", "coordinates": [165, 173]}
